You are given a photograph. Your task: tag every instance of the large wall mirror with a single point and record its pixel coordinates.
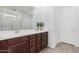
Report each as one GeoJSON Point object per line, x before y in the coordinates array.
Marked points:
{"type": "Point", "coordinates": [15, 17]}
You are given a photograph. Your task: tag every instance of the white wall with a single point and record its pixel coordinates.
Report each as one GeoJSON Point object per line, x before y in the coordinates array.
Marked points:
{"type": "Point", "coordinates": [52, 29]}
{"type": "Point", "coordinates": [40, 15]}
{"type": "Point", "coordinates": [47, 15]}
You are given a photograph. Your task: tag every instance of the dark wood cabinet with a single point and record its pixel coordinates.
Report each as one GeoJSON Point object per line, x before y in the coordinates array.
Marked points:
{"type": "Point", "coordinates": [25, 44]}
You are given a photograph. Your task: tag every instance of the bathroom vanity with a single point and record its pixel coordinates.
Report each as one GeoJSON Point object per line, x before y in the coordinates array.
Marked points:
{"type": "Point", "coordinates": [30, 41]}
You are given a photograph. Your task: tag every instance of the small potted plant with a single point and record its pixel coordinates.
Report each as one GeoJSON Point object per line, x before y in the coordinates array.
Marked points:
{"type": "Point", "coordinates": [38, 25]}
{"type": "Point", "coordinates": [41, 25]}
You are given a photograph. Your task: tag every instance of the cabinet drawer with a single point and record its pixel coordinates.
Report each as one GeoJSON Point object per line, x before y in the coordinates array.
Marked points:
{"type": "Point", "coordinates": [17, 40]}
{"type": "Point", "coordinates": [32, 37]}
{"type": "Point", "coordinates": [45, 34]}
{"type": "Point", "coordinates": [39, 35]}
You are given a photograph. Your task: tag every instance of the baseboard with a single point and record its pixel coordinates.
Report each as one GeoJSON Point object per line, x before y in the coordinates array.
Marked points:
{"type": "Point", "coordinates": [77, 45]}
{"type": "Point", "coordinates": [52, 46]}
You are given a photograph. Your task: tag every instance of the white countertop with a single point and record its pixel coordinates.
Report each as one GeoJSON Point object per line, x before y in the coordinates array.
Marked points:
{"type": "Point", "coordinates": [11, 34]}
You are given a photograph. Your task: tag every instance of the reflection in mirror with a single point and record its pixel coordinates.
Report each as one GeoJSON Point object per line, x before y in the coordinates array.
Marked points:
{"type": "Point", "coordinates": [15, 18]}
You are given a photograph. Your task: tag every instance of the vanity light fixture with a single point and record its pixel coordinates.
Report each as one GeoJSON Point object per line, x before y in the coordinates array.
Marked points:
{"type": "Point", "coordinates": [9, 15]}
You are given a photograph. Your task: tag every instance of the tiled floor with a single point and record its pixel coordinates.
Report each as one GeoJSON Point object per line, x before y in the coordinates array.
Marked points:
{"type": "Point", "coordinates": [62, 48]}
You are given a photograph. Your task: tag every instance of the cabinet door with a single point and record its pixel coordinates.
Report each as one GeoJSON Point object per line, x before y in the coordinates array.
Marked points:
{"type": "Point", "coordinates": [18, 48]}
{"type": "Point", "coordinates": [38, 48]}
{"type": "Point", "coordinates": [32, 43]}
{"type": "Point", "coordinates": [38, 39]}
{"type": "Point", "coordinates": [26, 38]}
{"type": "Point", "coordinates": [44, 39]}
{"type": "Point", "coordinates": [3, 46]}
{"type": "Point", "coordinates": [38, 42]}
{"type": "Point", "coordinates": [33, 50]}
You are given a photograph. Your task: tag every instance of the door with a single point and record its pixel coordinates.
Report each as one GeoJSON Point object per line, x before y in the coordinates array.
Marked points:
{"type": "Point", "coordinates": [68, 25]}
{"type": "Point", "coordinates": [44, 40]}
